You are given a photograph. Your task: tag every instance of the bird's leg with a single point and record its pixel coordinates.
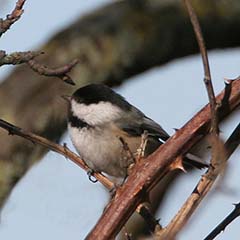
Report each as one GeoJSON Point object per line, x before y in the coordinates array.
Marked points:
{"type": "Point", "coordinates": [90, 172]}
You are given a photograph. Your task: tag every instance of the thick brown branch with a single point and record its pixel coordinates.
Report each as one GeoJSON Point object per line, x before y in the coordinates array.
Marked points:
{"type": "Point", "coordinates": [11, 18]}
{"type": "Point", "coordinates": [200, 191]}
{"type": "Point", "coordinates": [148, 172]}
{"type": "Point", "coordinates": [207, 77]}
{"type": "Point", "coordinates": [221, 227]}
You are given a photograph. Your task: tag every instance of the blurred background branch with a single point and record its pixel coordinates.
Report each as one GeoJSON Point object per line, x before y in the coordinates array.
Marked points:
{"type": "Point", "coordinates": [11, 18]}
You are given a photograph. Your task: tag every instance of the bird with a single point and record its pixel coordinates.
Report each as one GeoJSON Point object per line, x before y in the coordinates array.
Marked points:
{"type": "Point", "coordinates": [107, 131]}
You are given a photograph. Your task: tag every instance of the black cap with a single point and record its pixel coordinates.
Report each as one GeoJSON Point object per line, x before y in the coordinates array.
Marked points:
{"type": "Point", "coordinates": [95, 93]}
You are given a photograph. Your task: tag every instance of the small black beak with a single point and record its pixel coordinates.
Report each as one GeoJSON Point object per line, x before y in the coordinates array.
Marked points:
{"type": "Point", "coordinates": [66, 98]}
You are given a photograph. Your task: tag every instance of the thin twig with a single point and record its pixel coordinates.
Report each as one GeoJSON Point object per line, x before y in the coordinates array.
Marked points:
{"type": "Point", "coordinates": [17, 57]}
{"type": "Point", "coordinates": [63, 150]}
{"type": "Point", "coordinates": [127, 151]}
{"type": "Point", "coordinates": [218, 159]}
{"type": "Point", "coordinates": [221, 227]}
{"type": "Point", "coordinates": [29, 58]}
{"type": "Point", "coordinates": [207, 74]}
{"type": "Point", "coordinates": [217, 163]}
{"type": "Point", "coordinates": [60, 72]}
{"type": "Point", "coordinates": [218, 152]}
{"type": "Point", "coordinates": [11, 18]}
{"type": "Point", "coordinates": [200, 191]}
{"type": "Point", "coordinates": [142, 147]}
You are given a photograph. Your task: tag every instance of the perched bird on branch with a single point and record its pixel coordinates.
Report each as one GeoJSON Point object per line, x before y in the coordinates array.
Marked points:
{"type": "Point", "coordinates": [107, 131]}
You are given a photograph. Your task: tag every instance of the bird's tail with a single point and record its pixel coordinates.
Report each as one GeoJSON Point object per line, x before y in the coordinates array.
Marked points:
{"type": "Point", "coordinates": [195, 161]}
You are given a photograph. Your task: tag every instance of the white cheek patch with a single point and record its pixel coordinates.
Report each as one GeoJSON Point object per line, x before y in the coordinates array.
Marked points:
{"type": "Point", "coordinates": [94, 114]}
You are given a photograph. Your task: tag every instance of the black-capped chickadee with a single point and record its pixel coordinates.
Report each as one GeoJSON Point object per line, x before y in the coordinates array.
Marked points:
{"type": "Point", "coordinates": [100, 121]}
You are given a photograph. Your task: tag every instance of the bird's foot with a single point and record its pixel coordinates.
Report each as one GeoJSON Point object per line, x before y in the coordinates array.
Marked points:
{"type": "Point", "coordinates": [90, 173]}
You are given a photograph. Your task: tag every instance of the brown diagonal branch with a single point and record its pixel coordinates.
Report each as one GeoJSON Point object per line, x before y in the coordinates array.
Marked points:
{"type": "Point", "coordinates": [11, 18]}
{"type": "Point", "coordinates": [200, 191]}
{"type": "Point", "coordinates": [147, 173]}
{"type": "Point", "coordinates": [221, 227]}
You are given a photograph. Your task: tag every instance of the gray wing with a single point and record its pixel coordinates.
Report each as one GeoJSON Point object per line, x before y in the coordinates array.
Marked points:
{"type": "Point", "coordinates": [154, 129]}
{"type": "Point", "coordinates": [136, 123]}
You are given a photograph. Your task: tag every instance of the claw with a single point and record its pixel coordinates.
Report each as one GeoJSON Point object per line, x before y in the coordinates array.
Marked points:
{"type": "Point", "coordinates": [90, 176]}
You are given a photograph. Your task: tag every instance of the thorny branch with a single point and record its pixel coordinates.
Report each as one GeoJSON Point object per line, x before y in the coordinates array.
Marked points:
{"type": "Point", "coordinates": [11, 18]}
{"type": "Point", "coordinates": [143, 208]}
{"type": "Point", "coordinates": [147, 173]}
{"type": "Point", "coordinates": [219, 155]}
{"type": "Point", "coordinates": [200, 191]}
{"type": "Point", "coordinates": [221, 227]}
